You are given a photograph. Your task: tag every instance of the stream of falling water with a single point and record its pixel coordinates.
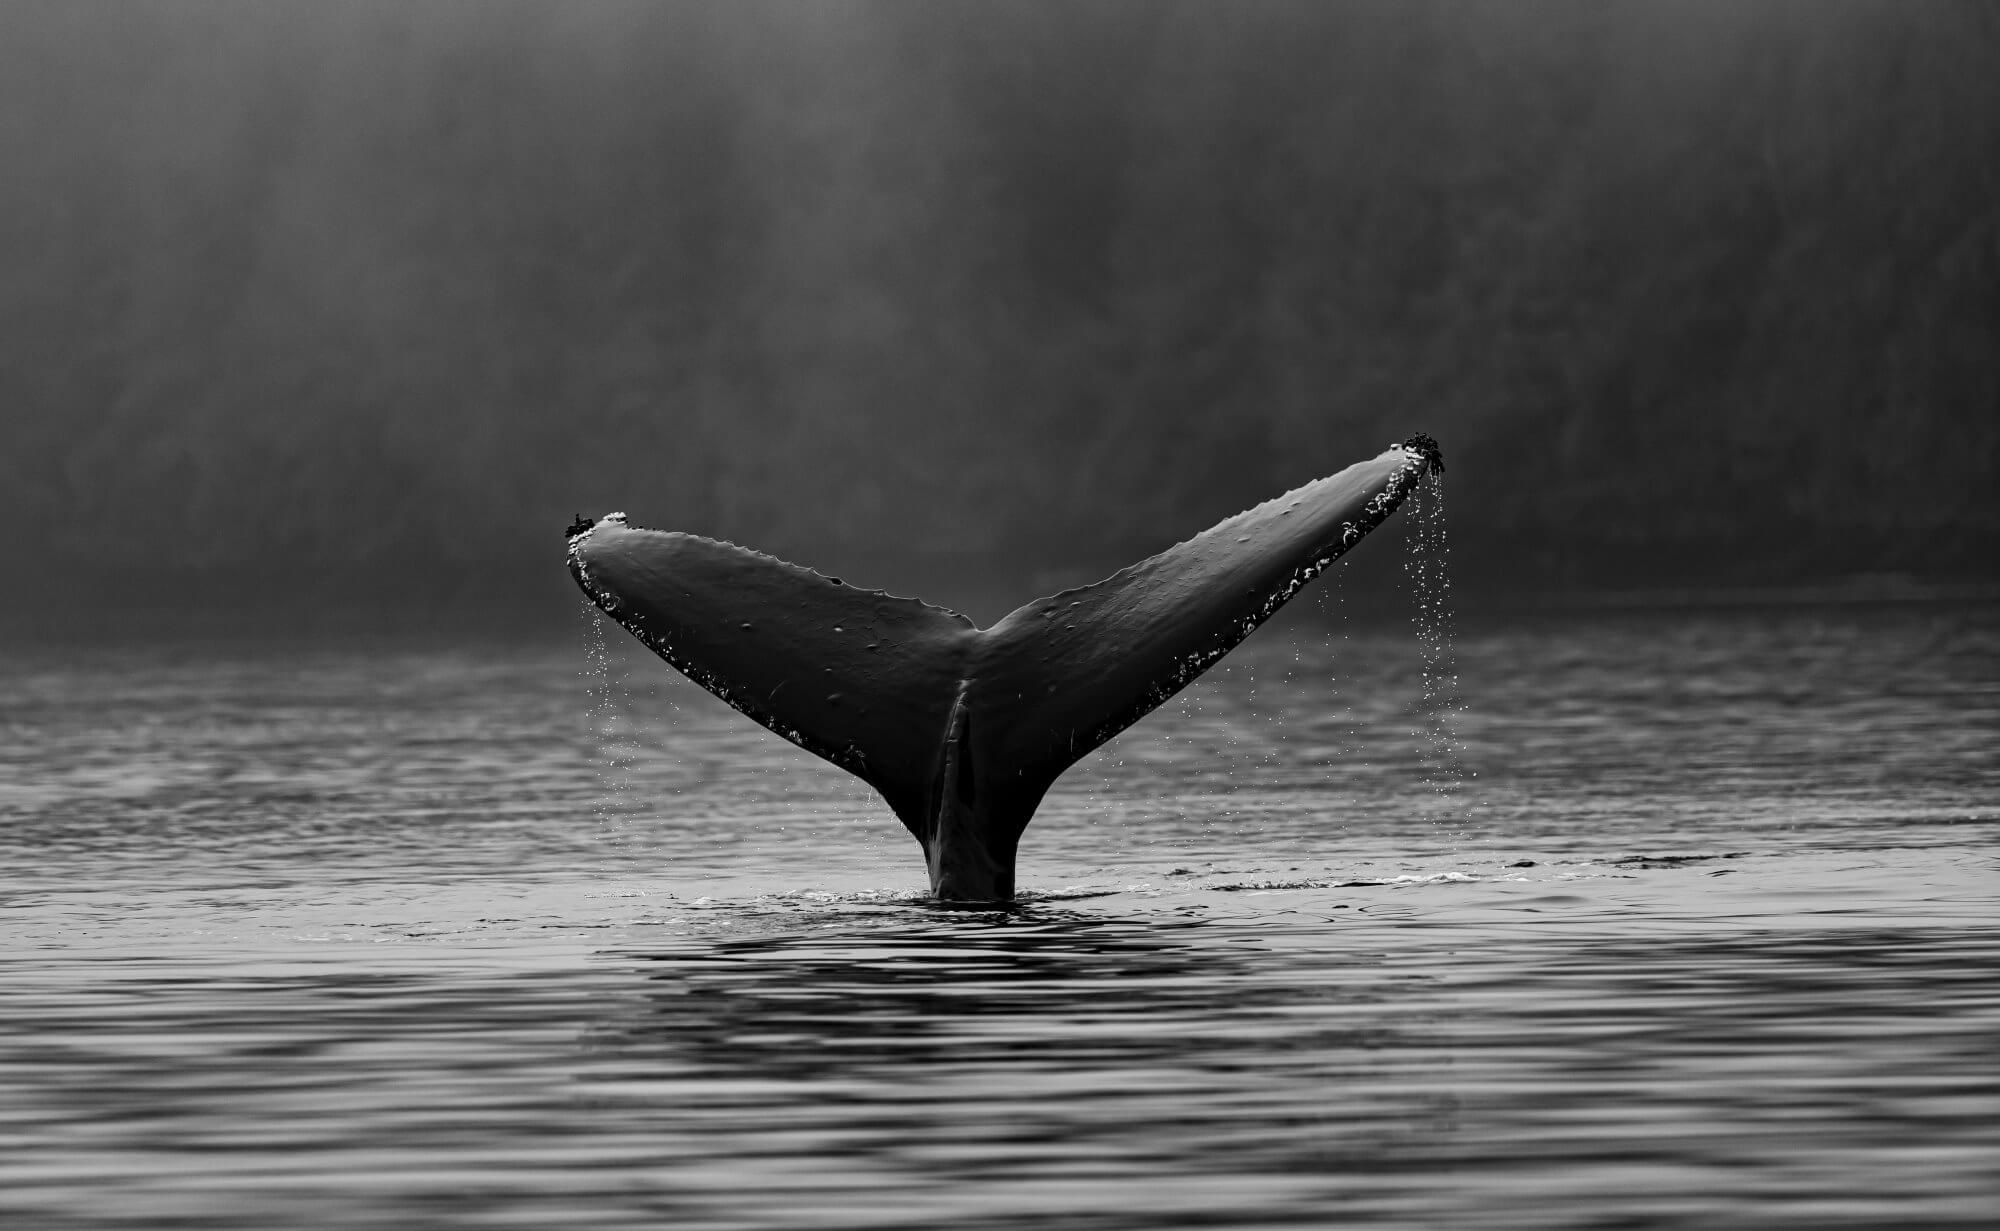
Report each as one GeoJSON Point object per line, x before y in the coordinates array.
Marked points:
{"type": "Point", "coordinates": [1428, 566]}
{"type": "Point", "coordinates": [606, 719]}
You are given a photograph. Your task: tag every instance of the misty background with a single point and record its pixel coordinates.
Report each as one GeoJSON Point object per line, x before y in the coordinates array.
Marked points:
{"type": "Point", "coordinates": [313, 309]}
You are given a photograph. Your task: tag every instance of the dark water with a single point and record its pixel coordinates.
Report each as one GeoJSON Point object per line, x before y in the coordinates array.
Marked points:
{"type": "Point", "coordinates": [1682, 921]}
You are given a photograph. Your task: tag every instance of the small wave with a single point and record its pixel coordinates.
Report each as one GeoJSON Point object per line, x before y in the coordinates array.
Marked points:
{"type": "Point", "coordinates": [1669, 861]}
{"type": "Point", "coordinates": [1329, 883]}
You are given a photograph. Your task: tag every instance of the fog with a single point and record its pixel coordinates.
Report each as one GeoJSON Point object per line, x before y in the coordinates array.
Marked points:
{"type": "Point", "coordinates": [331, 307]}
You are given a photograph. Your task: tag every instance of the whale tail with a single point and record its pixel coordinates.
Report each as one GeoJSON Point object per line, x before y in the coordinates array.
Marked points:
{"type": "Point", "coordinates": [962, 729]}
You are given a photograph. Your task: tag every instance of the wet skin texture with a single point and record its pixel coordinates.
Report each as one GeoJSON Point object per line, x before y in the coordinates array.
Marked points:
{"type": "Point", "coordinates": [962, 729]}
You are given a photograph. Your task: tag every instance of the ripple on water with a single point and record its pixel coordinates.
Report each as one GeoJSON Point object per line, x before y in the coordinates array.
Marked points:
{"type": "Point", "coordinates": [363, 941]}
{"type": "Point", "coordinates": [1161, 1067]}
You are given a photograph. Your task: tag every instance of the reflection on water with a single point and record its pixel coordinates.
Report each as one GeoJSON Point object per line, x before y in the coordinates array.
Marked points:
{"type": "Point", "coordinates": [364, 940]}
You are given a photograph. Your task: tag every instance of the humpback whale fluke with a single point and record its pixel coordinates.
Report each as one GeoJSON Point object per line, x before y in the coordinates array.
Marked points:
{"type": "Point", "coordinates": [962, 729]}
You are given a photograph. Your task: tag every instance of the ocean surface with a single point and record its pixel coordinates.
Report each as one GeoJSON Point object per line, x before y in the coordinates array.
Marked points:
{"type": "Point", "coordinates": [1628, 919]}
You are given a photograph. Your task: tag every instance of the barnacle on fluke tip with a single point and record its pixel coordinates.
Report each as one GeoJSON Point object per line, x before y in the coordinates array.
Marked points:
{"type": "Point", "coordinates": [1426, 444]}
{"type": "Point", "coordinates": [962, 729]}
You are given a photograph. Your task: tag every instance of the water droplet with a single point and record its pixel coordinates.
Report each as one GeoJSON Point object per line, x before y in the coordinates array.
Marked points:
{"type": "Point", "coordinates": [1427, 563]}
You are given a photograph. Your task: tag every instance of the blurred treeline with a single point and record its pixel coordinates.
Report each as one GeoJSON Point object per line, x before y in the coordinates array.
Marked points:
{"type": "Point", "coordinates": [359, 302]}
